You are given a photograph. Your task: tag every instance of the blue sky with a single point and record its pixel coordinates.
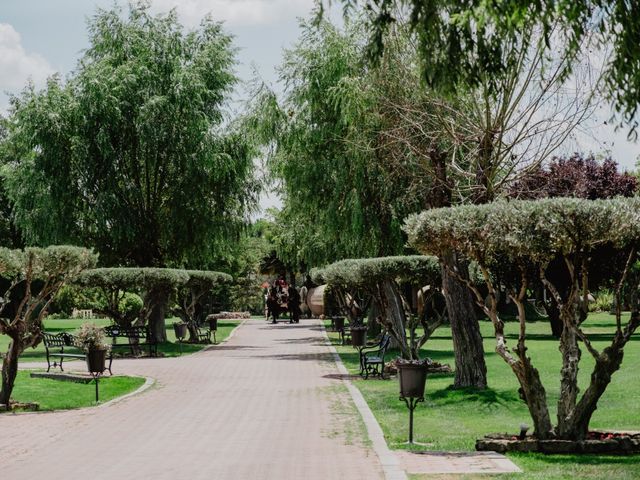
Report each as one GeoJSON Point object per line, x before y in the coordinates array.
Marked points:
{"type": "Point", "coordinates": [40, 37]}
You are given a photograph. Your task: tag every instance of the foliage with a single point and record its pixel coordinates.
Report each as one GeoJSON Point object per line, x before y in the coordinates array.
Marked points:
{"type": "Point", "coordinates": [414, 269]}
{"type": "Point", "coordinates": [466, 44]}
{"type": "Point", "coordinates": [131, 305]}
{"type": "Point", "coordinates": [575, 177]}
{"type": "Point", "coordinates": [515, 242]}
{"type": "Point", "coordinates": [34, 277]}
{"type": "Point", "coordinates": [72, 296]}
{"type": "Point", "coordinates": [355, 282]}
{"type": "Point", "coordinates": [335, 202]}
{"type": "Point", "coordinates": [603, 302]}
{"type": "Point", "coordinates": [91, 337]}
{"type": "Point", "coordinates": [129, 155]}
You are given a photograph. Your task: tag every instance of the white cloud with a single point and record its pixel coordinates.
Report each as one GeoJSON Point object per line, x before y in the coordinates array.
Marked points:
{"type": "Point", "coordinates": [237, 12]}
{"type": "Point", "coordinates": [17, 65]}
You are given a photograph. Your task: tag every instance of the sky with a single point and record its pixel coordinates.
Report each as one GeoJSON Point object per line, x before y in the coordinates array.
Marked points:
{"type": "Point", "coordinates": [42, 37]}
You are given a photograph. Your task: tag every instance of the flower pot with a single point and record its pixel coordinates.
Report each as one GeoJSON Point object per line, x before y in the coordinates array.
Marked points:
{"type": "Point", "coordinates": [358, 336]}
{"type": "Point", "coordinates": [180, 329]}
{"type": "Point", "coordinates": [412, 377]}
{"type": "Point", "coordinates": [96, 360]}
{"type": "Point", "coordinates": [338, 324]}
{"type": "Point", "coordinates": [213, 324]}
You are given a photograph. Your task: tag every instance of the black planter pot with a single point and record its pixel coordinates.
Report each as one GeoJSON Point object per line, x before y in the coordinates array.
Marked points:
{"type": "Point", "coordinates": [96, 360]}
{"type": "Point", "coordinates": [213, 324]}
{"type": "Point", "coordinates": [338, 324]}
{"type": "Point", "coordinates": [358, 336]}
{"type": "Point", "coordinates": [180, 329]}
{"type": "Point", "coordinates": [413, 378]}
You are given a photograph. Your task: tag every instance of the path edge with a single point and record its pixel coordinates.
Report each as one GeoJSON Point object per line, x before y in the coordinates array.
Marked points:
{"type": "Point", "coordinates": [390, 463]}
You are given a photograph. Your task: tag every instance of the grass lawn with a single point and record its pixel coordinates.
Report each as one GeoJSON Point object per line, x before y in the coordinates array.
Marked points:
{"type": "Point", "coordinates": [453, 419]}
{"type": "Point", "coordinates": [58, 395]}
{"type": "Point", "coordinates": [169, 349]}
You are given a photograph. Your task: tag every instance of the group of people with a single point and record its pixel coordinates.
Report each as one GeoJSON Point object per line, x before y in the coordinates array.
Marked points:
{"type": "Point", "coordinates": [281, 298]}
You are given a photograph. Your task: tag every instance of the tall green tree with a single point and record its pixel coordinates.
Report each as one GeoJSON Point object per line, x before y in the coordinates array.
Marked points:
{"type": "Point", "coordinates": [335, 202]}
{"type": "Point", "coordinates": [133, 155]}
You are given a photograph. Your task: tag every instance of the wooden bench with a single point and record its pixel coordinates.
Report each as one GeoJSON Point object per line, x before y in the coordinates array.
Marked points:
{"type": "Point", "coordinates": [203, 333]}
{"type": "Point", "coordinates": [130, 337]}
{"type": "Point", "coordinates": [55, 344]}
{"type": "Point", "coordinates": [372, 357]}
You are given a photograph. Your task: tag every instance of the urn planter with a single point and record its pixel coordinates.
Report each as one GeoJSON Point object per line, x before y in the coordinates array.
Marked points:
{"type": "Point", "coordinates": [413, 378]}
{"type": "Point", "coordinates": [96, 359]}
{"type": "Point", "coordinates": [181, 330]}
{"type": "Point", "coordinates": [358, 336]}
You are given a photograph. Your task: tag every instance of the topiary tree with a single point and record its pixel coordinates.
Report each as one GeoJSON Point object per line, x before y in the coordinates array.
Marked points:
{"type": "Point", "coordinates": [189, 295]}
{"type": "Point", "coordinates": [31, 279]}
{"type": "Point", "coordinates": [157, 285]}
{"type": "Point", "coordinates": [514, 244]}
{"type": "Point", "coordinates": [380, 279]}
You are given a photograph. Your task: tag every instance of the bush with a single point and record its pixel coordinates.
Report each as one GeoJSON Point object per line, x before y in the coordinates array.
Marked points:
{"type": "Point", "coordinates": [70, 297]}
{"type": "Point", "coordinates": [603, 301]}
{"type": "Point", "coordinates": [131, 305]}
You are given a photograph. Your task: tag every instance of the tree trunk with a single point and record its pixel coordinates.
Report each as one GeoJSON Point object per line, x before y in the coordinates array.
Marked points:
{"type": "Point", "coordinates": [9, 371]}
{"type": "Point", "coordinates": [395, 317]}
{"type": "Point", "coordinates": [471, 370]}
{"type": "Point", "coordinates": [374, 327]}
{"type": "Point", "coordinates": [156, 301]}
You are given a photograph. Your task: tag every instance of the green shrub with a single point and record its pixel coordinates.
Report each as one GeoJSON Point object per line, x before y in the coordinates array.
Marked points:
{"type": "Point", "coordinates": [603, 301]}
{"type": "Point", "coordinates": [131, 305]}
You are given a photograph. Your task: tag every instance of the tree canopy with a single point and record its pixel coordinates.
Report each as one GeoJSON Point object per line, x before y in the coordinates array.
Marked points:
{"type": "Point", "coordinates": [466, 44]}
{"type": "Point", "coordinates": [133, 154]}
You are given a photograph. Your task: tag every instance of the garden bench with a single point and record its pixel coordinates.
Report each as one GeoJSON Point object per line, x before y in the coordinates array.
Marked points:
{"type": "Point", "coordinates": [131, 337]}
{"type": "Point", "coordinates": [202, 333]}
{"type": "Point", "coordinates": [372, 357]}
{"type": "Point", "coordinates": [55, 344]}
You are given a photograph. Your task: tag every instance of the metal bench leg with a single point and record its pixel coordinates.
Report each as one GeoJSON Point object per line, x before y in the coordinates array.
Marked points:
{"type": "Point", "coordinates": [61, 369]}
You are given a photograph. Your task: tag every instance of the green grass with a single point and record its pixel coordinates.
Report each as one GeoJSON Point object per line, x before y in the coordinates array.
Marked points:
{"type": "Point", "coordinates": [59, 395]}
{"type": "Point", "coordinates": [453, 419]}
{"type": "Point", "coordinates": [168, 349]}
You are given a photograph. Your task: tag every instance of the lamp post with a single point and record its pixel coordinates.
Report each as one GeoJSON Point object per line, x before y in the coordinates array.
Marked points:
{"type": "Point", "coordinates": [412, 377]}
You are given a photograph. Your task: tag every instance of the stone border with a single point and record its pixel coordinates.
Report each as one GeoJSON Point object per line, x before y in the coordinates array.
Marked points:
{"type": "Point", "coordinates": [148, 383]}
{"type": "Point", "coordinates": [389, 461]}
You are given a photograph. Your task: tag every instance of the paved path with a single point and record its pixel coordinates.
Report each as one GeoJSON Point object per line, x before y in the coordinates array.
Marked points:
{"type": "Point", "coordinates": [261, 406]}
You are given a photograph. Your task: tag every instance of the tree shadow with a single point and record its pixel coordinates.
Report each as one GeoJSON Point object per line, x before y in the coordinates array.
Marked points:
{"type": "Point", "coordinates": [315, 357]}
{"type": "Point", "coordinates": [488, 397]}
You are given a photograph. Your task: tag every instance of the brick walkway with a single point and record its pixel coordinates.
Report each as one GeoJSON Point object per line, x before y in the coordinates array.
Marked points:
{"type": "Point", "coordinates": [261, 406]}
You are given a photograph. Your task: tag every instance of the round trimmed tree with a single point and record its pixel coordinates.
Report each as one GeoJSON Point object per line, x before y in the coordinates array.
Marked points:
{"type": "Point", "coordinates": [30, 279]}
{"type": "Point", "coordinates": [378, 281]}
{"type": "Point", "coordinates": [514, 244]}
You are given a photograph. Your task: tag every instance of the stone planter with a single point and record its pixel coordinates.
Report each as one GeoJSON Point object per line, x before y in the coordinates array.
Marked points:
{"type": "Point", "coordinates": [358, 336]}
{"type": "Point", "coordinates": [96, 360]}
{"type": "Point", "coordinates": [413, 378]}
{"type": "Point", "coordinates": [599, 443]}
{"type": "Point", "coordinates": [181, 330]}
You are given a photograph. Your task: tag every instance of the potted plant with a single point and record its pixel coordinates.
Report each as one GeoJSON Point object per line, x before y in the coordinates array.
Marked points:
{"type": "Point", "coordinates": [92, 340]}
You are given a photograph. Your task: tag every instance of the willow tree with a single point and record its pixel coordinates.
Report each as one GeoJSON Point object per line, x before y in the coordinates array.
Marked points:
{"type": "Point", "coordinates": [30, 279]}
{"type": "Point", "coordinates": [132, 154]}
{"type": "Point", "coordinates": [336, 204]}
{"type": "Point", "coordinates": [514, 244]}
{"type": "Point", "coordinates": [380, 280]}
{"type": "Point", "coordinates": [464, 45]}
